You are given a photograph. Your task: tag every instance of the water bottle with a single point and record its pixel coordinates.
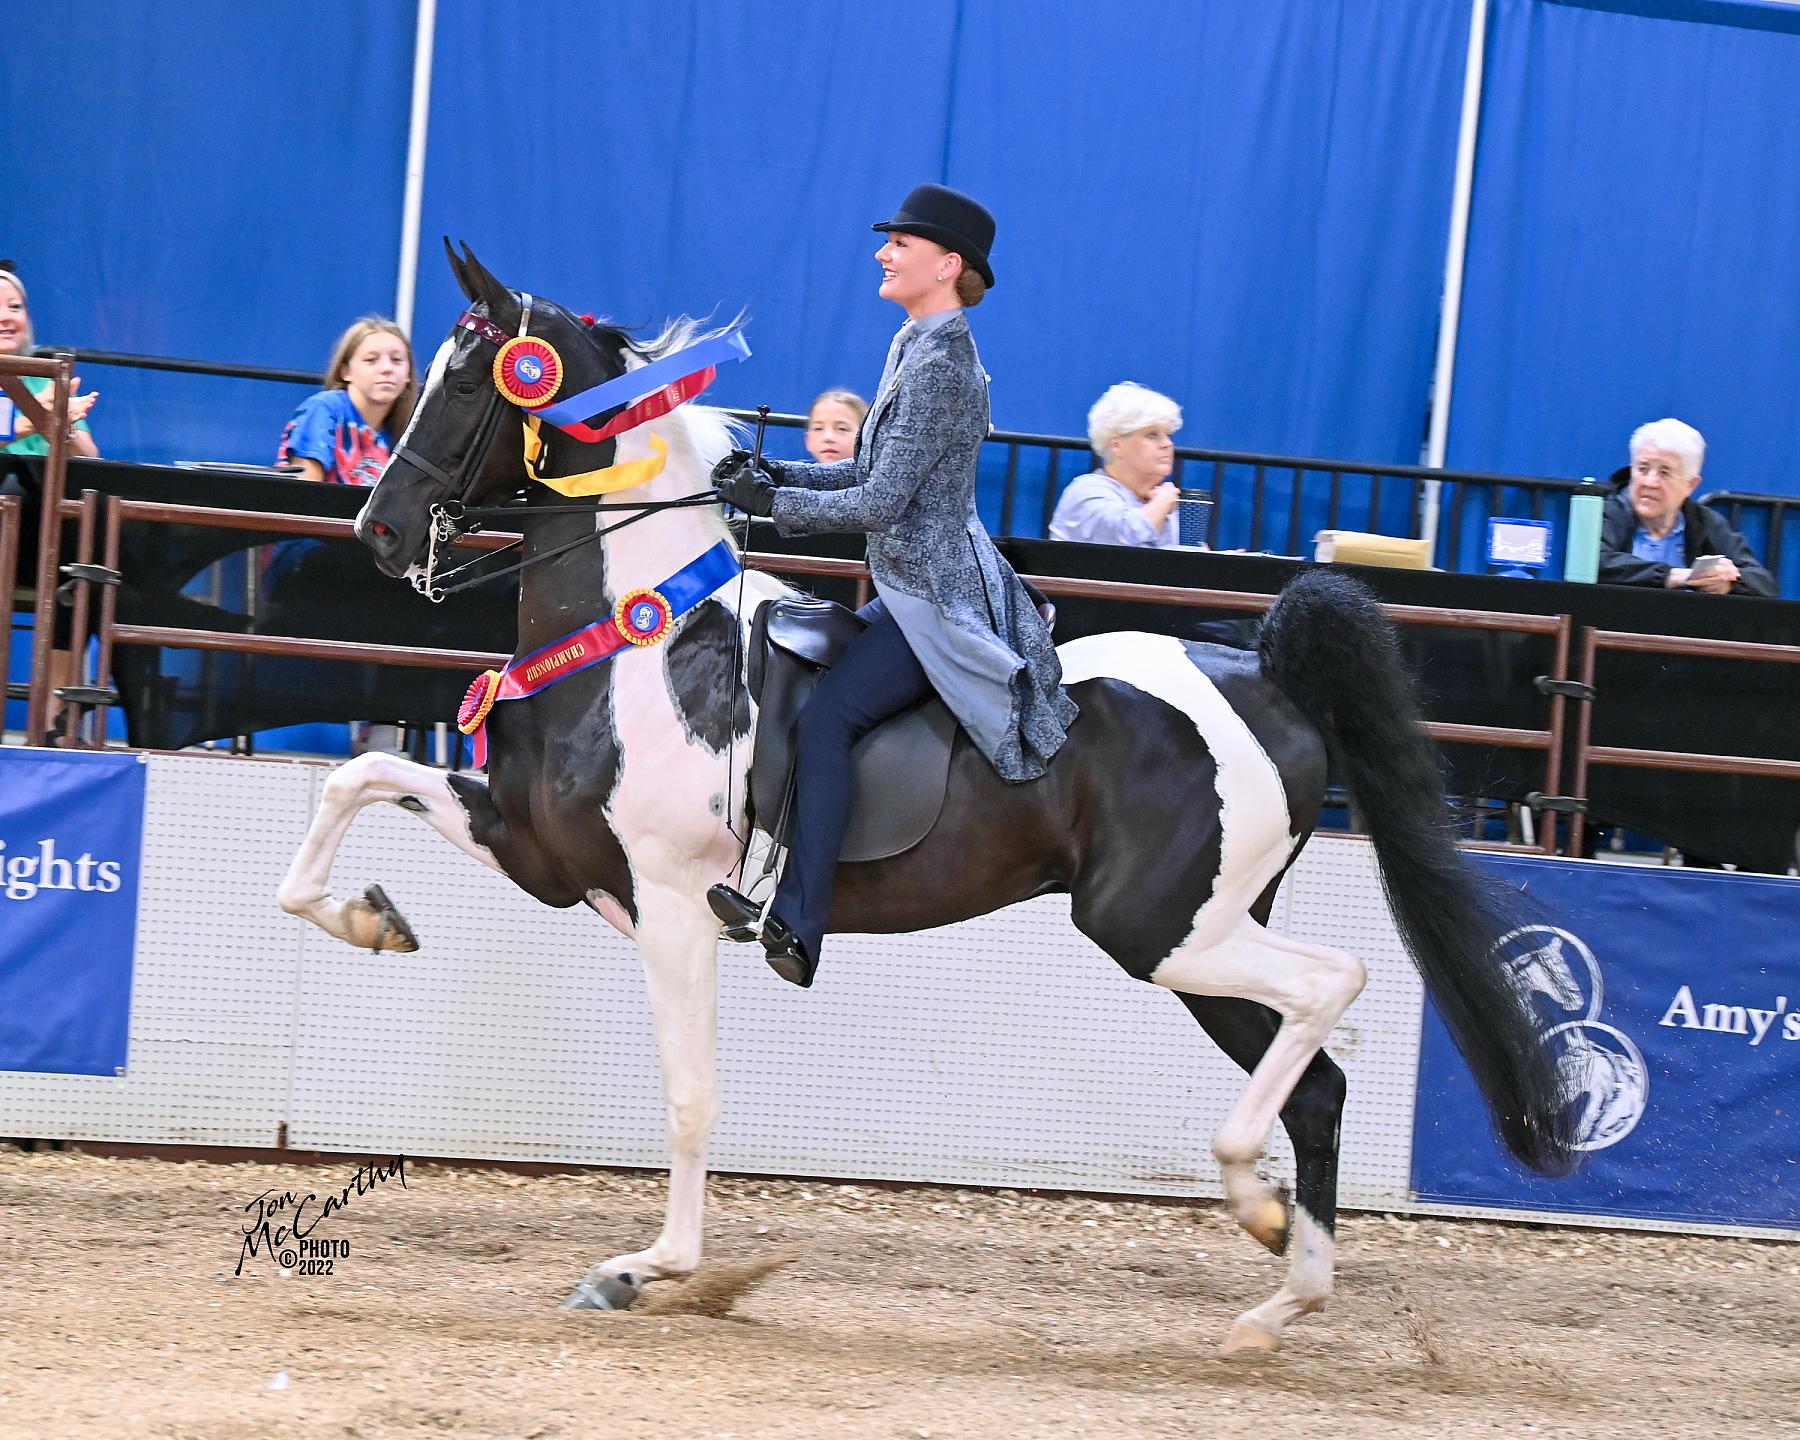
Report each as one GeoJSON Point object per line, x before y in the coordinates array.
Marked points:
{"type": "Point", "coordinates": [1581, 553]}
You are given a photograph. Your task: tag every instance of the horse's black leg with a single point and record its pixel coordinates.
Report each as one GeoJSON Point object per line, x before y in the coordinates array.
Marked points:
{"type": "Point", "coordinates": [1243, 1030]}
{"type": "Point", "coordinates": [1251, 1034]}
{"type": "Point", "coordinates": [1313, 1118]}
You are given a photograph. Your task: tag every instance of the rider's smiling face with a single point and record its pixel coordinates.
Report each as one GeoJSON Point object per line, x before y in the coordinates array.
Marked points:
{"type": "Point", "coordinates": [912, 268]}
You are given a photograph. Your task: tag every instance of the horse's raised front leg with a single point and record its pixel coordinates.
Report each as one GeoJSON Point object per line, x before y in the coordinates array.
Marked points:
{"type": "Point", "coordinates": [678, 938]}
{"type": "Point", "coordinates": [417, 789]}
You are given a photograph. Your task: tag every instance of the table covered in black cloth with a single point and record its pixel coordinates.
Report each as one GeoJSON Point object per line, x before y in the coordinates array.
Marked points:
{"type": "Point", "coordinates": [1468, 676]}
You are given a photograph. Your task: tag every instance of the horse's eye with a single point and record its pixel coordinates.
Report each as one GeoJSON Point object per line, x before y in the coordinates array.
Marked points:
{"type": "Point", "coordinates": [466, 388]}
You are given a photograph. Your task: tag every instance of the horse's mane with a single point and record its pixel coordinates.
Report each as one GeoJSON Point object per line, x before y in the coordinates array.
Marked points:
{"type": "Point", "coordinates": [698, 436]}
{"type": "Point", "coordinates": [705, 432]}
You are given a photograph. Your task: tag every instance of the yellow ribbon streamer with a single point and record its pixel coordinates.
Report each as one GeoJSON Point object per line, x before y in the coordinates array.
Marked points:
{"type": "Point", "coordinates": [622, 476]}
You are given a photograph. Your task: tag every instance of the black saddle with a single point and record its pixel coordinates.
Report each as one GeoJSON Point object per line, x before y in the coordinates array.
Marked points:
{"type": "Point", "coordinates": [901, 768]}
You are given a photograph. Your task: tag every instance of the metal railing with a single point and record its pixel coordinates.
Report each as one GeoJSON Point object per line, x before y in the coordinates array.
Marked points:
{"type": "Point", "coordinates": [1588, 754]}
{"type": "Point", "coordinates": [1287, 496]}
{"type": "Point", "coordinates": [1775, 511]}
{"type": "Point", "coordinates": [101, 518]}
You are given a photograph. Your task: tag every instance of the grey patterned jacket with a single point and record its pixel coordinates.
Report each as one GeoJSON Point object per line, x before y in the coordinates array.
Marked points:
{"type": "Point", "coordinates": [911, 487]}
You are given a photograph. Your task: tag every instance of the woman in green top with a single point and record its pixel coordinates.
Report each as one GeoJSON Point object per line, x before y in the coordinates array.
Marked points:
{"type": "Point", "coordinates": [15, 339]}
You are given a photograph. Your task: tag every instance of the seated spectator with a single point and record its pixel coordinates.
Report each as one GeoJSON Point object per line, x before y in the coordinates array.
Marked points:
{"type": "Point", "coordinates": [343, 434]}
{"type": "Point", "coordinates": [1653, 533]}
{"type": "Point", "coordinates": [18, 436]}
{"type": "Point", "coordinates": [1129, 500]}
{"type": "Point", "coordinates": [832, 425]}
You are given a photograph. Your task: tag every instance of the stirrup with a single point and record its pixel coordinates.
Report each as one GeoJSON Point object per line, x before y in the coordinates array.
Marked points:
{"type": "Point", "coordinates": [742, 916]}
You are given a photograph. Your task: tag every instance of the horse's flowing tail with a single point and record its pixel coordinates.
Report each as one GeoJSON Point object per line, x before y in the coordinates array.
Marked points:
{"type": "Point", "coordinates": [1327, 645]}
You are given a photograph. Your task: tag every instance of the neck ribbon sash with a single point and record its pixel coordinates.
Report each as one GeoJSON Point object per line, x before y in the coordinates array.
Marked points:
{"type": "Point", "coordinates": [647, 392]}
{"type": "Point", "coordinates": [626, 475]}
{"type": "Point", "coordinates": [642, 617]}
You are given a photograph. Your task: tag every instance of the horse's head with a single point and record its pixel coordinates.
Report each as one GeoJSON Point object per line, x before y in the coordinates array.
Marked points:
{"type": "Point", "coordinates": [465, 442]}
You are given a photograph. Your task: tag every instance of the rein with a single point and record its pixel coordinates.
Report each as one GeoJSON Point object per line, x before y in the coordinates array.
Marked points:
{"type": "Point", "coordinates": [445, 530]}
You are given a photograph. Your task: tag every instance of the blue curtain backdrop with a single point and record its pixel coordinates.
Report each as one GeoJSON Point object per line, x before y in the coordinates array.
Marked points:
{"type": "Point", "coordinates": [1635, 219]}
{"type": "Point", "coordinates": [212, 180]}
{"type": "Point", "coordinates": [1242, 202]}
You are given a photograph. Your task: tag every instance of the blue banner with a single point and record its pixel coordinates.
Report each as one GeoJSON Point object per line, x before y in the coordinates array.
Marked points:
{"type": "Point", "coordinates": [1675, 997]}
{"type": "Point", "coordinates": [71, 840]}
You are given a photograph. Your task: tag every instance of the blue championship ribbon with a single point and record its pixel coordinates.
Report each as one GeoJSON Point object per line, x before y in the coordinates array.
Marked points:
{"type": "Point", "coordinates": [634, 385]}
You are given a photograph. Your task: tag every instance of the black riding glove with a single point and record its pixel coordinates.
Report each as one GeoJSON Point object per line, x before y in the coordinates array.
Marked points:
{"type": "Point", "coordinates": [750, 490]}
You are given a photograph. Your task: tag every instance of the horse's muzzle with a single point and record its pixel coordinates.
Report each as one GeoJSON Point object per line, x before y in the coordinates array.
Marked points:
{"type": "Point", "coordinates": [384, 542]}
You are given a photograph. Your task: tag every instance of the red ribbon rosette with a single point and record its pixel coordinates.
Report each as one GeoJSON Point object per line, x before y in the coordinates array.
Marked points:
{"type": "Point", "coordinates": [483, 691]}
{"type": "Point", "coordinates": [643, 617]}
{"type": "Point", "coordinates": [528, 371]}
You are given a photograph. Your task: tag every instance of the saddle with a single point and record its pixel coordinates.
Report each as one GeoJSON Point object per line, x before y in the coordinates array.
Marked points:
{"type": "Point", "coordinates": [901, 769]}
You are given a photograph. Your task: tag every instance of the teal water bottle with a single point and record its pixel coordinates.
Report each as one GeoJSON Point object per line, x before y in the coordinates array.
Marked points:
{"type": "Point", "coordinates": [1581, 553]}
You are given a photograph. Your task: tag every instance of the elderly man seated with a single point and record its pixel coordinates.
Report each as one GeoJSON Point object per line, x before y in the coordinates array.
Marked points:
{"type": "Point", "coordinates": [1129, 500]}
{"type": "Point", "coordinates": [1653, 533]}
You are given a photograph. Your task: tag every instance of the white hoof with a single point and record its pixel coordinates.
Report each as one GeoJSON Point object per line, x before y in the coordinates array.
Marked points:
{"type": "Point", "coordinates": [374, 924]}
{"type": "Point", "coordinates": [1247, 1338]}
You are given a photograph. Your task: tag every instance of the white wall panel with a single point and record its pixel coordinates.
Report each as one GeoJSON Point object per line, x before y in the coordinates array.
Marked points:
{"type": "Point", "coordinates": [1004, 1051]}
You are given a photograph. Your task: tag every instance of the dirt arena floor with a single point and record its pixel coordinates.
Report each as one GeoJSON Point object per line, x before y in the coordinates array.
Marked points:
{"type": "Point", "coordinates": [900, 1313]}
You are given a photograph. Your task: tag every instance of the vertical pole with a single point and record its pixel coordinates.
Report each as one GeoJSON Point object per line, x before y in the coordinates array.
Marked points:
{"type": "Point", "coordinates": [1559, 670]}
{"type": "Point", "coordinates": [43, 637]}
{"type": "Point", "coordinates": [12, 520]}
{"type": "Point", "coordinates": [1584, 730]}
{"type": "Point", "coordinates": [109, 611]}
{"type": "Point", "coordinates": [407, 287]}
{"type": "Point", "coordinates": [72, 714]}
{"type": "Point", "coordinates": [1450, 316]}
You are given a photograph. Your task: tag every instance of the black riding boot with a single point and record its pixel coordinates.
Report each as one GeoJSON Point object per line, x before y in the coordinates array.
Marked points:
{"type": "Point", "coordinates": [786, 951]}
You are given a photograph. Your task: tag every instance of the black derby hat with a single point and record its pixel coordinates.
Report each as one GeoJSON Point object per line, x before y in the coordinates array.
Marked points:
{"type": "Point", "coordinates": [952, 219]}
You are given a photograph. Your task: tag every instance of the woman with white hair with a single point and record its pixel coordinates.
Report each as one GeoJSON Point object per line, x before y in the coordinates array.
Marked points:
{"type": "Point", "coordinates": [1130, 499]}
{"type": "Point", "coordinates": [1655, 533]}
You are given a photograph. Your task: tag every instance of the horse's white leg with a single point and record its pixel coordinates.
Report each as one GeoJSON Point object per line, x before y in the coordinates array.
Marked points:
{"type": "Point", "coordinates": [1309, 986]}
{"type": "Point", "coordinates": [679, 939]}
{"type": "Point", "coordinates": [418, 789]}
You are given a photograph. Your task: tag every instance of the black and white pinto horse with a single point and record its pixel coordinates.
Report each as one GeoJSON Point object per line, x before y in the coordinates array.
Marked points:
{"type": "Point", "coordinates": [1183, 794]}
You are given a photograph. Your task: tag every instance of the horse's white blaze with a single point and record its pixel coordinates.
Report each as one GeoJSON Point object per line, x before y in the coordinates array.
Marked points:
{"type": "Point", "coordinates": [434, 379]}
{"type": "Point", "coordinates": [1253, 814]}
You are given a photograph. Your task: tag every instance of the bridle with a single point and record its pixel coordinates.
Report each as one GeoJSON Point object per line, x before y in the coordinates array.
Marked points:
{"type": "Point", "coordinates": [452, 517]}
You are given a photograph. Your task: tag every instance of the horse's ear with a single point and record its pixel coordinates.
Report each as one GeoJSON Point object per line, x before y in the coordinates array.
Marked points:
{"type": "Point", "coordinates": [483, 286]}
{"type": "Point", "coordinates": [458, 269]}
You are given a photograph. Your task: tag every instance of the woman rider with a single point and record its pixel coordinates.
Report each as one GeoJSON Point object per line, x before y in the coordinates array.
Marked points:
{"type": "Point", "coordinates": [949, 616]}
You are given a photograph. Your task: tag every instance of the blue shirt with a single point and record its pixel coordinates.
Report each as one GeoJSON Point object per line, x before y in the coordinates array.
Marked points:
{"type": "Point", "coordinates": [1671, 550]}
{"type": "Point", "coordinates": [328, 428]}
{"type": "Point", "coordinates": [1099, 510]}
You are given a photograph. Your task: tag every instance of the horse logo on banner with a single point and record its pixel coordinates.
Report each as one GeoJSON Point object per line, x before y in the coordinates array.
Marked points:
{"type": "Point", "coordinates": [1605, 1070]}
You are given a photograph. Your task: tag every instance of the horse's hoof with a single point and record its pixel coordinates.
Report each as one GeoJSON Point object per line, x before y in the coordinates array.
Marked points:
{"type": "Point", "coordinates": [1248, 1339]}
{"type": "Point", "coordinates": [605, 1292]}
{"type": "Point", "coordinates": [1268, 1224]}
{"type": "Point", "coordinates": [376, 925]}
